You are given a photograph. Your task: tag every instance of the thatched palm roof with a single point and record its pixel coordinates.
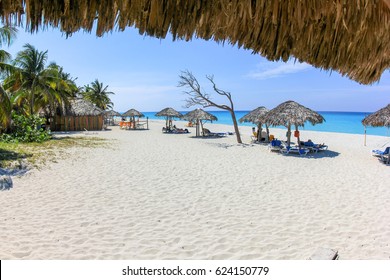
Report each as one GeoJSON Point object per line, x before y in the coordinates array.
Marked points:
{"type": "Point", "coordinates": [112, 113]}
{"type": "Point", "coordinates": [292, 113]}
{"type": "Point", "coordinates": [132, 113]}
{"type": "Point", "coordinates": [169, 112]}
{"type": "Point", "coordinates": [351, 37]}
{"type": "Point", "coordinates": [379, 118]}
{"type": "Point", "coordinates": [256, 116]}
{"type": "Point", "coordinates": [199, 114]}
{"type": "Point", "coordinates": [82, 107]}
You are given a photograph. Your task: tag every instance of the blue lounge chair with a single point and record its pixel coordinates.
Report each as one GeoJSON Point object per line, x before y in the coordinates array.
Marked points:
{"type": "Point", "coordinates": [379, 153]}
{"type": "Point", "coordinates": [295, 150]}
{"type": "Point", "coordinates": [313, 147]}
{"type": "Point", "coordinates": [275, 145]}
{"type": "Point", "coordinates": [208, 133]}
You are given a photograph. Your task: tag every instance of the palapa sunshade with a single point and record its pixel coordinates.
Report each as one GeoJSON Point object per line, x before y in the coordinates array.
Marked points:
{"type": "Point", "coordinates": [112, 113]}
{"type": "Point", "coordinates": [169, 113]}
{"type": "Point", "coordinates": [376, 119]}
{"type": "Point", "coordinates": [351, 37]}
{"type": "Point", "coordinates": [257, 117]}
{"type": "Point", "coordinates": [110, 116]}
{"type": "Point", "coordinates": [132, 113]}
{"type": "Point", "coordinates": [292, 113]}
{"type": "Point", "coordinates": [197, 116]}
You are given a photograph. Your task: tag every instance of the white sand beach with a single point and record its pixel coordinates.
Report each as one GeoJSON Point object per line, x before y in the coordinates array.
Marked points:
{"type": "Point", "coordinates": [151, 195]}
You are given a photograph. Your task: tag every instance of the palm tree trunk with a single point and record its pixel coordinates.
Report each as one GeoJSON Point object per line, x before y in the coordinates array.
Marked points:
{"type": "Point", "coordinates": [32, 97]}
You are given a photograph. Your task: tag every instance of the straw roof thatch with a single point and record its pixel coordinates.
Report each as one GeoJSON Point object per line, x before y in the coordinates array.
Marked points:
{"type": "Point", "coordinates": [351, 37]}
{"type": "Point", "coordinates": [256, 116]}
{"type": "Point", "coordinates": [132, 113]}
{"type": "Point", "coordinates": [112, 113]}
{"type": "Point", "coordinates": [169, 112]}
{"type": "Point", "coordinates": [379, 118]}
{"type": "Point", "coordinates": [82, 107]}
{"type": "Point", "coordinates": [199, 114]}
{"type": "Point", "coordinates": [292, 113]}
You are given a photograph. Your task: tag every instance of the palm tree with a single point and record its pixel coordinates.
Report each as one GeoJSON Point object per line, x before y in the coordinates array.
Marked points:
{"type": "Point", "coordinates": [98, 95]}
{"type": "Point", "coordinates": [64, 87]}
{"type": "Point", "coordinates": [7, 34]}
{"type": "Point", "coordinates": [34, 85]}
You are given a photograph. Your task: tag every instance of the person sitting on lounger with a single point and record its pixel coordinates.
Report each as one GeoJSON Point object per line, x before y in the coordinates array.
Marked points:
{"type": "Point", "coordinates": [180, 130]}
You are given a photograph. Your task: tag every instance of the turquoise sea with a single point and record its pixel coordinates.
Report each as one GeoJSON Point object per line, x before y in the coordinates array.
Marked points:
{"type": "Point", "coordinates": [342, 122]}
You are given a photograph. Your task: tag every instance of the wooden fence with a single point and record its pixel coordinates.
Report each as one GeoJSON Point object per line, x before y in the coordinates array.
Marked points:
{"type": "Point", "coordinates": [76, 123]}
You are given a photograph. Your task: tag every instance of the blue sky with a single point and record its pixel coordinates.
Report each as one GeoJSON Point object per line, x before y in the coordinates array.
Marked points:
{"type": "Point", "coordinates": [143, 72]}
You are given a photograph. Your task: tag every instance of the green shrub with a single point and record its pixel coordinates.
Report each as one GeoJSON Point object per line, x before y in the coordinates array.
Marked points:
{"type": "Point", "coordinates": [26, 129]}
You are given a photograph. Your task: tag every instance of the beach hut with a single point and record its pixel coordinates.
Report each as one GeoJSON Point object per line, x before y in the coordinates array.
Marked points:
{"type": "Point", "coordinates": [78, 115]}
{"type": "Point", "coordinates": [169, 113]}
{"type": "Point", "coordinates": [376, 119]}
{"type": "Point", "coordinates": [350, 37]}
{"type": "Point", "coordinates": [198, 116]}
{"type": "Point", "coordinates": [292, 113]}
{"type": "Point", "coordinates": [257, 117]}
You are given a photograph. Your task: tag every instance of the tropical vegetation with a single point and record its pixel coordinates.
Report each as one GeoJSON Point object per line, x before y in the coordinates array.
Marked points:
{"type": "Point", "coordinates": [97, 94]}
{"type": "Point", "coordinates": [30, 87]}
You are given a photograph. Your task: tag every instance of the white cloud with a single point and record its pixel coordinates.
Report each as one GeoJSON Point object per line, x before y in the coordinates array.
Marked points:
{"type": "Point", "coordinates": [272, 70]}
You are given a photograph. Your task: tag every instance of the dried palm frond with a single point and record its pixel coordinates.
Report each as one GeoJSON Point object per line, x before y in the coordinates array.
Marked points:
{"type": "Point", "coordinates": [378, 118]}
{"type": "Point", "coordinates": [350, 37]}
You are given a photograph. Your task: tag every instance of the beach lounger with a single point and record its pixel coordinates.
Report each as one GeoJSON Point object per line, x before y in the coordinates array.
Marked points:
{"type": "Point", "coordinates": [263, 137]}
{"type": "Point", "coordinates": [175, 130]}
{"type": "Point", "coordinates": [275, 145]}
{"type": "Point", "coordinates": [379, 153]}
{"type": "Point", "coordinates": [385, 158]}
{"type": "Point", "coordinates": [295, 150]}
{"type": "Point", "coordinates": [313, 147]}
{"type": "Point", "coordinates": [208, 133]}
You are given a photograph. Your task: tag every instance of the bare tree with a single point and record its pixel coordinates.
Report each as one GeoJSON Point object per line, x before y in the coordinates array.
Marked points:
{"type": "Point", "coordinates": [198, 97]}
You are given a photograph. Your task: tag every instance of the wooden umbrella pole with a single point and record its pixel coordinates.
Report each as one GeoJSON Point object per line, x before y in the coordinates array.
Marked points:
{"type": "Point", "coordinates": [365, 135]}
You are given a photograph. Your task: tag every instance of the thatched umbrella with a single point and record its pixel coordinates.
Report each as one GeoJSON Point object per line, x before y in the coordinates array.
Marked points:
{"type": "Point", "coordinates": [132, 113]}
{"type": "Point", "coordinates": [351, 37]}
{"type": "Point", "coordinates": [376, 119]}
{"type": "Point", "coordinates": [256, 116]}
{"type": "Point", "coordinates": [292, 113]}
{"type": "Point", "coordinates": [111, 114]}
{"type": "Point", "coordinates": [169, 113]}
{"type": "Point", "coordinates": [197, 116]}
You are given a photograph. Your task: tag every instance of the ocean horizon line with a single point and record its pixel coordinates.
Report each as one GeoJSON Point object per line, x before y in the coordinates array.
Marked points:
{"type": "Point", "coordinates": [335, 121]}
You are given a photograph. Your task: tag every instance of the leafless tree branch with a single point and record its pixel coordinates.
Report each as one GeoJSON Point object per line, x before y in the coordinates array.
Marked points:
{"type": "Point", "coordinates": [196, 96]}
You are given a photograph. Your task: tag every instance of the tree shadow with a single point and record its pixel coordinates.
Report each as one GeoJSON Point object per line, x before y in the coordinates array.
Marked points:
{"type": "Point", "coordinates": [324, 154]}
{"type": "Point", "coordinates": [11, 155]}
{"type": "Point", "coordinates": [18, 168]}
